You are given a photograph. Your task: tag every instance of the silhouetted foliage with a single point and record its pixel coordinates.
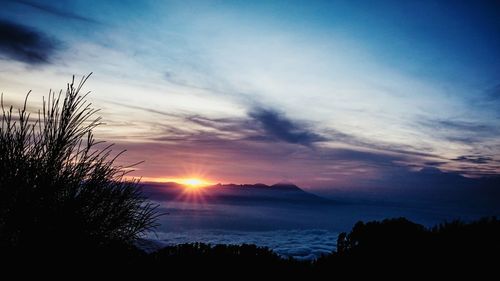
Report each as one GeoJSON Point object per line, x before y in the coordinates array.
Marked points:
{"type": "Point", "coordinates": [224, 260]}
{"type": "Point", "coordinates": [392, 246]}
{"type": "Point", "coordinates": [59, 187]}
{"type": "Point", "coordinates": [394, 235]}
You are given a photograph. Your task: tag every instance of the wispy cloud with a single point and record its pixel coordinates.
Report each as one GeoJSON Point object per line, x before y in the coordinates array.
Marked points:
{"type": "Point", "coordinates": [25, 44]}
{"type": "Point", "coordinates": [464, 126]}
{"type": "Point", "coordinates": [142, 108]}
{"type": "Point", "coordinates": [469, 132]}
{"type": "Point", "coordinates": [273, 128]}
{"type": "Point", "coordinates": [50, 9]}
{"type": "Point", "coordinates": [473, 144]}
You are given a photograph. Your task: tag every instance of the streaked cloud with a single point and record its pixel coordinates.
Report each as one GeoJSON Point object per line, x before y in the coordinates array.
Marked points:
{"type": "Point", "coordinates": [54, 10]}
{"type": "Point", "coordinates": [476, 159]}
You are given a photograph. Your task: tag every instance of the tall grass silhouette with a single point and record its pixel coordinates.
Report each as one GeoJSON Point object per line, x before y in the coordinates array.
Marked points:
{"type": "Point", "coordinates": [59, 185]}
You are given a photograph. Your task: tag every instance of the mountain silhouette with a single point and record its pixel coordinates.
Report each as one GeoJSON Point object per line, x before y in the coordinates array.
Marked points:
{"type": "Point", "coordinates": [235, 193]}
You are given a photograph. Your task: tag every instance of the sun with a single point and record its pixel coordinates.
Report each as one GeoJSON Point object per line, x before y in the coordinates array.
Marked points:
{"type": "Point", "coordinates": [194, 183]}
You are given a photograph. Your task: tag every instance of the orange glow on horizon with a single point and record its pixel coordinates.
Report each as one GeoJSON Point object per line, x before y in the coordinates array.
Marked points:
{"type": "Point", "coordinates": [188, 181]}
{"type": "Point", "coordinates": [194, 190]}
{"type": "Point", "coordinates": [192, 177]}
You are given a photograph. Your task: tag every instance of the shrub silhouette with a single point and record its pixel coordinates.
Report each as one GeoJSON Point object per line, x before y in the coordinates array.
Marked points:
{"type": "Point", "coordinates": [59, 187]}
{"type": "Point", "coordinates": [225, 260]}
{"type": "Point", "coordinates": [393, 246]}
{"type": "Point", "coordinates": [390, 236]}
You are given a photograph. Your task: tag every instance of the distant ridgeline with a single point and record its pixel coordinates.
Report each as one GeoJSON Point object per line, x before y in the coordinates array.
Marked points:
{"type": "Point", "coordinates": [278, 186]}
{"type": "Point", "coordinates": [236, 193]}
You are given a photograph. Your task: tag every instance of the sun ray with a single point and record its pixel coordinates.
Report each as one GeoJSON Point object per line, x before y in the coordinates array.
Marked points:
{"type": "Point", "coordinates": [195, 189]}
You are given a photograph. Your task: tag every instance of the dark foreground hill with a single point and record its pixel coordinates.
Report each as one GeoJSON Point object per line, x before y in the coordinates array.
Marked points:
{"type": "Point", "coordinates": [394, 247]}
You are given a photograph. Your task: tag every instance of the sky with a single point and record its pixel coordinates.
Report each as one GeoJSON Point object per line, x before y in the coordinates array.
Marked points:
{"type": "Point", "coordinates": [324, 94]}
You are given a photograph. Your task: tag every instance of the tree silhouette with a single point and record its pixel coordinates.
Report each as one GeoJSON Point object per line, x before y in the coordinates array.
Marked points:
{"type": "Point", "coordinates": [58, 184]}
{"type": "Point", "coordinates": [398, 247]}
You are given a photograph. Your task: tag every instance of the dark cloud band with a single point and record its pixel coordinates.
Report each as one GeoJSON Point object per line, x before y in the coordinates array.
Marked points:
{"type": "Point", "coordinates": [279, 127]}
{"type": "Point", "coordinates": [22, 43]}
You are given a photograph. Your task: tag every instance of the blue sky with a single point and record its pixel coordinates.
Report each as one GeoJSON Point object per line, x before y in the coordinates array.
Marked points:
{"type": "Point", "coordinates": [322, 93]}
